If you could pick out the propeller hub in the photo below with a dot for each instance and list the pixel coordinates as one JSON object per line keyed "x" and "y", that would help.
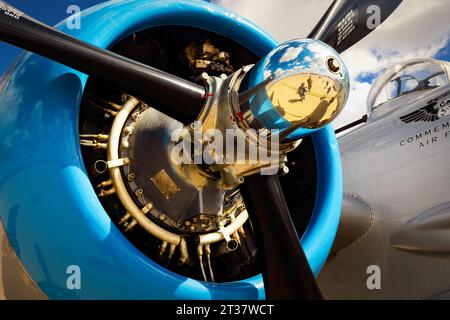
{"x": 300, "y": 86}
{"x": 333, "y": 65}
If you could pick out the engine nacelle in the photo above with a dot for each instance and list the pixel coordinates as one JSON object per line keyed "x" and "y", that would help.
{"x": 50, "y": 209}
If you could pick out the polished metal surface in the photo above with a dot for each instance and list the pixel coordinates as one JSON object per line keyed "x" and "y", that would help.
{"x": 400, "y": 170}
{"x": 254, "y": 150}
{"x": 356, "y": 219}
{"x": 426, "y": 233}
{"x": 302, "y": 85}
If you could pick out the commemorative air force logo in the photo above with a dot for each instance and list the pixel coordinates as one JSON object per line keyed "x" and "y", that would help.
{"x": 430, "y": 113}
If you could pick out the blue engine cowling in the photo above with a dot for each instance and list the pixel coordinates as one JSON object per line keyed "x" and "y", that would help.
{"x": 48, "y": 207}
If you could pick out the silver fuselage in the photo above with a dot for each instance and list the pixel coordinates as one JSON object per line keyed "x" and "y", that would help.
{"x": 396, "y": 212}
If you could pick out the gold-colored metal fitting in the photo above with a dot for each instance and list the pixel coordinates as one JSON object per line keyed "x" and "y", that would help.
{"x": 184, "y": 255}
{"x": 130, "y": 104}
{"x": 105, "y": 193}
{"x": 105, "y": 184}
{"x": 131, "y": 225}
{"x": 100, "y": 137}
{"x": 124, "y": 219}
{"x": 148, "y": 207}
{"x": 139, "y": 192}
{"x": 96, "y": 103}
{"x": 163, "y": 248}
{"x": 172, "y": 250}
{"x": 93, "y": 144}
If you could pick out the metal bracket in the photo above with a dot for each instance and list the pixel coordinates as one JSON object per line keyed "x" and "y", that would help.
{"x": 118, "y": 163}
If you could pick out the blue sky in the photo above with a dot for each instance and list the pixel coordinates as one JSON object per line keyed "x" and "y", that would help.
{"x": 444, "y": 53}
{"x": 48, "y": 11}
{"x": 416, "y": 29}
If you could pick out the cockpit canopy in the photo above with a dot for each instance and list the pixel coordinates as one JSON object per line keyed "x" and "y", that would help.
{"x": 405, "y": 78}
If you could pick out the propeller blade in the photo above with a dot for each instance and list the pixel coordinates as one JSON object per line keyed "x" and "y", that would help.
{"x": 286, "y": 271}
{"x": 174, "y": 96}
{"x": 348, "y": 21}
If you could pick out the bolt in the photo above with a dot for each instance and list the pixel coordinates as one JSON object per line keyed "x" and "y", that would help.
{"x": 333, "y": 64}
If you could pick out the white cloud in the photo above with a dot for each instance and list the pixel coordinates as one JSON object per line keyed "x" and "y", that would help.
{"x": 291, "y": 54}
{"x": 416, "y": 29}
{"x": 278, "y": 72}
{"x": 283, "y": 19}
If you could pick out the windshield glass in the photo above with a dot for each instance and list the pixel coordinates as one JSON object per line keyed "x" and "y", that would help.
{"x": 405, "y": 78}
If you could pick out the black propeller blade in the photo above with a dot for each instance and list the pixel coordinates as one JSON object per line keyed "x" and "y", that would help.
{"x": 348, "y": 21}
{"x": 286, "y": 271}
{"x": 178, "y": 98}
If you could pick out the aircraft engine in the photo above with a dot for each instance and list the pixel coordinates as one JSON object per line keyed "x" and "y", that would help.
{"x": 87, "y": 176}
